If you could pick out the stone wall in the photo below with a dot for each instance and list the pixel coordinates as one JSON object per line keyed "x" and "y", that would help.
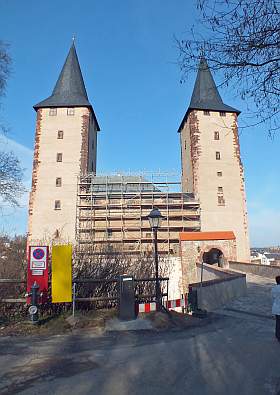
{"x": 192, "y": 252}
{"x": 45, "y": 222}
{"x": 200, "y": 174}
{"x": 259, "y": 270}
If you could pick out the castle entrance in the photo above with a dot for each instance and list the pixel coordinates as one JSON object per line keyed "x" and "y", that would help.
{"x": 213, "y": 257}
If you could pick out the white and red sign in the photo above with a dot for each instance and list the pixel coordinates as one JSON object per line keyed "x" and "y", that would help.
{"x": 37, "y": 270}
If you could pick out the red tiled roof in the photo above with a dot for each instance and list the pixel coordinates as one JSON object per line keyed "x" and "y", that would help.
{"x": 189, "y": 236}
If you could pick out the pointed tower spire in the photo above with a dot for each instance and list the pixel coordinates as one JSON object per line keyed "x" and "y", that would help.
{"x": 69, "y": 90}
{"x": 205, "y": 94}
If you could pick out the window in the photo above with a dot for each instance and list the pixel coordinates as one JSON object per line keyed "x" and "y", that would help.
{"x": 109, "y": 232}
{"x": 206, "y": 112}
{"x": 60, "y": 134}
{"x": 148, "y": 234}
{"x": 53, "y": 111}
{"x": 220, "y": 190}
{"x": 59, "y": 157}
{"x": 222, "y": 114}
{"x": 58, "y": 182}
{"x": 219, "y": 173}
{"x": 218, "y": 155}
{"x": 185, "y": 144}
{"x": 57, "y": 205}
{"x": 70, "y": 111}
{"x": 216, "y": 136}
{"x": 221, "y": 201}
{"x": 92, "y": 145}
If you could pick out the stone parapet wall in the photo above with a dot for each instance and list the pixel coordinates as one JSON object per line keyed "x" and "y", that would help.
{"x": 259, "y": 270}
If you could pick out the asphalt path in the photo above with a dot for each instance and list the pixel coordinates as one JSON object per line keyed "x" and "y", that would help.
{"x": 236, "y": 353}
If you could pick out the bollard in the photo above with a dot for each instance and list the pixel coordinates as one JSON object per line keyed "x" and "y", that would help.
{"x": 33, "y": 309}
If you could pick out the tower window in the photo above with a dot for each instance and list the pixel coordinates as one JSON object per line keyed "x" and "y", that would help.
{"x": 185, "y": 144}
{"x": 218, "y": 155}
{"x": 220, "y": 190}
{"x": 60, "y": 134}
{"x": 57, "y": 205}
{"x": 53, "y": 111}
{"x": 70, "y": 111}
{"x": 58, "y": 182}
{"x": 221, "y": 201}
{"x": 59, "y": 157}
{"x": 219, "y": 173}
{"x": 206, "y": 112}
{"x": 222, "y": 114}
{"x": 216, "y": 136}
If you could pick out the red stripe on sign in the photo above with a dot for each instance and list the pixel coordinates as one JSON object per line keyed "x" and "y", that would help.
{"x": 147, "y": 307}
{"x": 169, "y": 304}
{"x": 178, "y": 302}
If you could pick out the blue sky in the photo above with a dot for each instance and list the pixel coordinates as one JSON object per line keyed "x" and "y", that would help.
{"x": 128, "y": 58}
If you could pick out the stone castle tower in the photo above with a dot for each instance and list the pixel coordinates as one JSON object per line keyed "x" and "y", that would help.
{"x": 65, "y": 146}
{"x": 211, "y": 163}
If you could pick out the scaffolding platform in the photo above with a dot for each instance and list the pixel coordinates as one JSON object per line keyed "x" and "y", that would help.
{"x": 113, "y": 209}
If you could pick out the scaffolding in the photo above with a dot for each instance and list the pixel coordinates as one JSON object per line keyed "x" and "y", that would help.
{"x": 113, "y": 209}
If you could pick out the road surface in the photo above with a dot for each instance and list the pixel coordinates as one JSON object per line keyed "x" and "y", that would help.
{"x": 235, "y": 354}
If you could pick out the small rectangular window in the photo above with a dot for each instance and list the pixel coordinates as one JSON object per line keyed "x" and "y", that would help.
{"x": 58, "y": 181}
{"x": 57, "y": 205}
{"x": 216, "y": 136}
{"x": 59, "y": 157}
{"x": 70, "y": 111}
{"x": 109, "y": 232}
{"x": 219, "y": 173}
{"x": 53, "y": 111}
{"x": 221, "y": 201}
{"x": 60, "y": 134}
{"x": 206, "y": 112}
{"x": 185, "y": 144}
{"x": 222, "y": 114}
{"x": 218, "y": 155}
{"x": 220, "y": 190}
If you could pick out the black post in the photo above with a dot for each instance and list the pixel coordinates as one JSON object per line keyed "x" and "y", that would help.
{"x": 33, "y": 309}
{"x": 158, "y": 293}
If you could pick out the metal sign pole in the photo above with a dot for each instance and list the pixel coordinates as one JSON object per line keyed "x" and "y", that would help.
{"x": 74, "y": 299}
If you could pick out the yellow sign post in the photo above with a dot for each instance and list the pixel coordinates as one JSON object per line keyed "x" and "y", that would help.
{"x": 62, "y": 273}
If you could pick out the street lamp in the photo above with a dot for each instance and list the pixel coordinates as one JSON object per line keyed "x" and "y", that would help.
{"x": 155, "y": 219}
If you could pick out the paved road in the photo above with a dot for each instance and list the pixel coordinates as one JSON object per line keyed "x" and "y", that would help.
{"x": 235, "y": 354}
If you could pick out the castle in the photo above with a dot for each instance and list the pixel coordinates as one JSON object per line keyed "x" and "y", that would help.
{"x": 69, "y": 202}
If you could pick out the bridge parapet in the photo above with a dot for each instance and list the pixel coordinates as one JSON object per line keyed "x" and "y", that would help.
{"x": 257, "y": 269}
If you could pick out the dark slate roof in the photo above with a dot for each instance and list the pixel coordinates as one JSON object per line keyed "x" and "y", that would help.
{"x": 205, "y": 93}
{"x": 134, "y": 184}
{"x": 69, "y": 90}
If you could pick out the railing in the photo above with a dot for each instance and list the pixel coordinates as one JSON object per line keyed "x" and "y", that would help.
{"x": 97, "y": 290}
{"x": 15, "y": 286}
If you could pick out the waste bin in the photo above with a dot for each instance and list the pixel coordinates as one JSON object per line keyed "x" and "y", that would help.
{"x": 126, "y": 298}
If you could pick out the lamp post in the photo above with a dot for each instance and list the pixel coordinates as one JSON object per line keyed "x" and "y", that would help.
{"x": 155, "y": 218}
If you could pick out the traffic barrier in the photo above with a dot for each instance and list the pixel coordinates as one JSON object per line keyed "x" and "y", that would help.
{"x": 169, "y": 304}
{"x": 172, "y": 304}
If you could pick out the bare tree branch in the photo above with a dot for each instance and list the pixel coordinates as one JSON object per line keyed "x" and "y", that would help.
{"x": 242, "y": 39}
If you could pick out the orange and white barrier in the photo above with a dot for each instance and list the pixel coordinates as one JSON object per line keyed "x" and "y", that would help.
{"x": 170, "y": 304}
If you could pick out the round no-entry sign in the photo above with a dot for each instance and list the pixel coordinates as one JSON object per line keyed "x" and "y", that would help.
{"x": 39, "y": 253}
